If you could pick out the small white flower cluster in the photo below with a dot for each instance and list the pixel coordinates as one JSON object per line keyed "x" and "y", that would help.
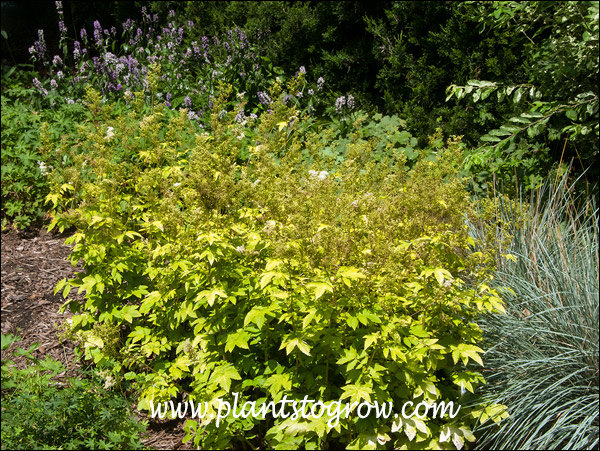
{"x": 110, "y": 133}
{"x": 109, "y": 380}
{"x": 269, "y": 227}
{"x": 320, "y": 175}
{"x": 111, "y": 58}
{"x": 43, "y": 167}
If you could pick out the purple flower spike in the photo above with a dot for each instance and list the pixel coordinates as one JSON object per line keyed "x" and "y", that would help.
{"x": 263, "y": 97}
{"x": 339, "y": 104}
{"x": 350, "y": 102}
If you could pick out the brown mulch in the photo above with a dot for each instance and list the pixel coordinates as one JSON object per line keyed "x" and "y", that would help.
{"x": 31, "y": 265}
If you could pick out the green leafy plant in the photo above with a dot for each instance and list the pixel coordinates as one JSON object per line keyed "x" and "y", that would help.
{"x": 30, "y": 139}
{"x": 23, "y": 172}
{"x": 40, "y": 413}
{"x": 284, "y": 272}
{"x": 554, "y": 110}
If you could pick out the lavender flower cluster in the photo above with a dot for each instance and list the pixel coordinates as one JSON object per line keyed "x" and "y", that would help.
{"x": 191, "y": 71}
{"x": 38, "y": 49}
{"x": 90, "y": 61}
{"x": 344, "y": 103}
{"x": 263, "y": 98}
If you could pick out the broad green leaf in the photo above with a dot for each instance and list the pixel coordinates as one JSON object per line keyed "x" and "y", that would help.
{"x": 292, "y": 343}
{"x": 320, "y": 288}
{"x": 356, "y": 393}
{"x": 239, "y": 339}
{"x": 490, "y": 138}
{"x": 223, "y": 375}
{"x": 256, "y": 316}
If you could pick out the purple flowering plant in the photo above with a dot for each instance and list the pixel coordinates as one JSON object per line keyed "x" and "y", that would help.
{"x": 117, "y": 62}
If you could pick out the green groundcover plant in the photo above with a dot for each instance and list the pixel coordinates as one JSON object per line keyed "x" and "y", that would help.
{"x": 28, "y": 157}
{"x": 275, "y": 258}
{"x": 543, "y": 354}
{"x": 40, "y": 413}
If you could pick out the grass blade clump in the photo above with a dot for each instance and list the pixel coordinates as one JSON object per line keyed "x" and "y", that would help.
{"x": 542, "y": 356}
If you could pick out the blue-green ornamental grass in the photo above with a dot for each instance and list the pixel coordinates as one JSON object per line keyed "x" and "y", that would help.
{"x": 542, "y": 357}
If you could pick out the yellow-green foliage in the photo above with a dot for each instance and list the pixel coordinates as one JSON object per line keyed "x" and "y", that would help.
{"x": 284, "y": 273}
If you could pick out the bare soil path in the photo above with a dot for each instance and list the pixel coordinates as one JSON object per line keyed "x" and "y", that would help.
{"x": 31, "y": 265}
